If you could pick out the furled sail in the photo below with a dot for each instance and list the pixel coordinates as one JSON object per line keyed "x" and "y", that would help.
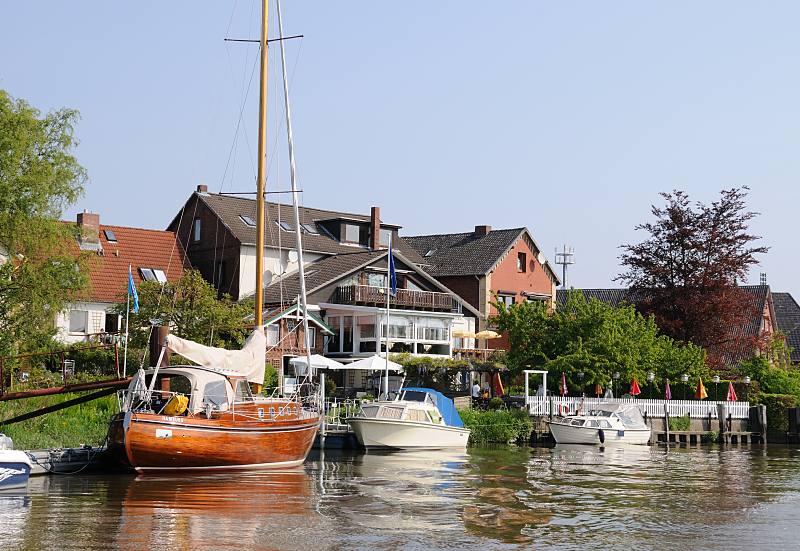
{"x": 249, "y": 361}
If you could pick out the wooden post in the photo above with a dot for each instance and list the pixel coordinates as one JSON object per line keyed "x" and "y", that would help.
{"x": 2, "y": 377}
{"x": 762, "y": 423}
{"x": 666, "y": 422}
{"x": 722, "y": 414}
{"x": 63, "y": 369}
{"x": 551, "y": 408}
{"x": 157, "y": 337}
{"x": 116, "y": 358}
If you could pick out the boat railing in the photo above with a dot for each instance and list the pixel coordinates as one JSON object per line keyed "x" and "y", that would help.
{"x": 337, "y": 410}
{"x": 541, "y": 405}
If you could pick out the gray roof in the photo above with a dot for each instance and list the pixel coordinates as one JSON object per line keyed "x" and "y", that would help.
{"x": 614, "y": 297}
{"x": 230, "y": 209}
{"x": 787, "y": 318}
{"x": 465, "y": 254}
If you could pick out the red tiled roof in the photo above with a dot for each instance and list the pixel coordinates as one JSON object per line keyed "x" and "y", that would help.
{"x": 140, "y": 248}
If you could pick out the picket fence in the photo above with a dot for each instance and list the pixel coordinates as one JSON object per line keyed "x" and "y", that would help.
{"x": 540, "y": 405}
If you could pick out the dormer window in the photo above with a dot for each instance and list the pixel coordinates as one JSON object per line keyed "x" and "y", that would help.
{"x": 386, "y": 237}
{"x": 351, "y": 233}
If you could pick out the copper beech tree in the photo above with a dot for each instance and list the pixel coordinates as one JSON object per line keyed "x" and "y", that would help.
{"x": 685, "y": 272}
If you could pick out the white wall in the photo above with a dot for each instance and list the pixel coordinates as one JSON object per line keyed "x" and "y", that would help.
{"x": 96, "y": 321}
{"x": 275, "y": 262}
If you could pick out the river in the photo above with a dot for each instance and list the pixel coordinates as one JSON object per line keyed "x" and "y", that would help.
{"x": 488, "y": 498}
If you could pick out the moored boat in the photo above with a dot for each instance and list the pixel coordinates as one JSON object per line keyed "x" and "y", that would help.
{"x": 15, "y": 465}
{"x": 420, "y": 418}
{"x": 603, "y": 424}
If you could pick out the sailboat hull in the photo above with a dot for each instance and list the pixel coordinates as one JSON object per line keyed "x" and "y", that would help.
{"x": 152, "y": 442}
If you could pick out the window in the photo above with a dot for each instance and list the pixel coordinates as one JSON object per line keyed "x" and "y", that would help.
{"x": 112, "y": 324}
{"x": 351, "y": 233}
{"x": 273, "y": 334}
{"x": 347, "y": 334}
{"x": 430, "y": 253}
{"x": 78, "y": 320}
{"x": 312, "y": 336}
{"x": 433, "y": 330}
{"x": 147, "y": 274}
{"x": 310, "y": 228}
{"x": 508, "y": 300}
{"x": 196, "y": 229}
{"x": 285, "y": 226}
{"x": 248, "y": 220}
{"x": 334, "y": 343}
{"x": 521, "y": 262}
{"x": 410, "y": 285}
{"x": 161, "y": 277}
{"x": 385, "y": 237}
{"x": 376, "y": 280}
{"x": 367, "y": 341}
{"x": 110, "y": 237}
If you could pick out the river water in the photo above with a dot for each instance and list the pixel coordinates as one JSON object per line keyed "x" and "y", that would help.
{"x": 489, "y": 498}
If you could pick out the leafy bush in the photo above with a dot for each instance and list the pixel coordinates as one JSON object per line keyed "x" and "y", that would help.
{"x": 496, "y": 403}
{"x": 680, "y": 423}
{"x": 777, "y": 414}
{"x": 497, "y": 426}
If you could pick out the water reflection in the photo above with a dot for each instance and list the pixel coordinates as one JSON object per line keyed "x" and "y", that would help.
{"x": 565, "y": 497}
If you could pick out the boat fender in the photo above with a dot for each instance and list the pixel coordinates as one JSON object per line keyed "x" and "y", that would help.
{"x": 602, "y": 435}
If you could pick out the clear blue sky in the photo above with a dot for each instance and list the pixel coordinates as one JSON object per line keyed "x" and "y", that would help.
{"x": 565, "y": 117}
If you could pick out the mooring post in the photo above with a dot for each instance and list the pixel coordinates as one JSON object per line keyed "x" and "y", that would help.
{"x": 762, "y": 423}
{"x": 324, "y": 416}
{"x": 666, "y": 422}
{"x": 551, "y": 407}
{"x": 722, "y": 414}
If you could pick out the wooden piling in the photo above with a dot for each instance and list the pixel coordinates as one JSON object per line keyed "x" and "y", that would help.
{"x": 666, "y": 421}
{"x": 722, "y": 415}
{"x": 762, "y": 422}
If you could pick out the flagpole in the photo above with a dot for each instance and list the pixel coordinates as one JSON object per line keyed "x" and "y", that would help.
{"x": 388, "y": 296}
{"x": 127, "y": 315}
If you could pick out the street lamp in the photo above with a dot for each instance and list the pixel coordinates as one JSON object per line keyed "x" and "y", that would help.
{"x": 615, "y": 376}
{"x": 715, "y": 380}
{"x": 746, "y": 381}
{"x": 685, "y": 380}
{"x": 650, "y": 378}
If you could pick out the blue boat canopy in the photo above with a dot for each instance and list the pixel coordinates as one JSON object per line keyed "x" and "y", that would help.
{"x": 444, "y": 404}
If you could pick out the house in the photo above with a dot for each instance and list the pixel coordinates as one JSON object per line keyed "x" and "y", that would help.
{"x": 349, "y": 292}
{"x": 153, "y": 255}
{"x": 219, "y": 232}
{"x": 787, "y": 318}
{"x": 487, "y": 265}
{"x": 762, "y": 321}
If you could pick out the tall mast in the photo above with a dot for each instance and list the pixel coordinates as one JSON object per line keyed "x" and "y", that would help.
{"x": 262, "y": 162}
{"x": 293, "y": 175}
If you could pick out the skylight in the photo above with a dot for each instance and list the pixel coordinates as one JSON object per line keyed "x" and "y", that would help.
{"x": 430, "y": 253}
{"x": 247, "y": 220}
{"x": 161, "y": 277}
{"x": 310, "y": 228}
{"x": 147, "y": 274}
{"x": 285, "y": 226}
{"x": 110, "y": 237}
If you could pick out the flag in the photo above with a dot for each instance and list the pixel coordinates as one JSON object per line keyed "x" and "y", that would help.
{"x": 132, "y": 291}
{"x": 667, "y": 391}
{"x": 701, "y": 393}
{"x": 731, "y": 393}
{"x": 392, "y": 274}
{"x": 635, "y": 391}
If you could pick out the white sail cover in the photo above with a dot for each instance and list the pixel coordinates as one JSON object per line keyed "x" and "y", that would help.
{"x": 249, "y": 361}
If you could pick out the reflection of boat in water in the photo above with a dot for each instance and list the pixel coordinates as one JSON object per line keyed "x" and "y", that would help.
{"x": 603, "y": 424}
{"x": 420, "y": 418}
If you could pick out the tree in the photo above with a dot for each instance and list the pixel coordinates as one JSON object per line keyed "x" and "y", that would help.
{"x": 595, "y": 339}
{"x": 39, "y": 178}
{"x": 685, "y": 272}
{"x": 191, "y": 309}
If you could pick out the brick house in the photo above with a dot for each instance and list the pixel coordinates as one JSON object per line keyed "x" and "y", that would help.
{"x": 154, "y": 255}
{"x": 487, "y": 265}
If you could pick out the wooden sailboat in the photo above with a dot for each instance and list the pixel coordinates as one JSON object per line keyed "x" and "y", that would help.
{"x": 204, "y": 416}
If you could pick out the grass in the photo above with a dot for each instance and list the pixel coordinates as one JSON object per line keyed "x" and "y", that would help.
{"x": 72, "y": 427}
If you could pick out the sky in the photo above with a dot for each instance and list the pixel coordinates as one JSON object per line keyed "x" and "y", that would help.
{"x": 568, "y": 118}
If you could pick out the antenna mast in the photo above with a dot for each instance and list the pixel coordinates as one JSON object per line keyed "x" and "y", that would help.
{"x": 565, "y": 257}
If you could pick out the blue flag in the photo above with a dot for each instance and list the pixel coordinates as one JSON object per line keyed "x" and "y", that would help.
{"x": 132, "y": 291}
{"x": 392, "y": 274}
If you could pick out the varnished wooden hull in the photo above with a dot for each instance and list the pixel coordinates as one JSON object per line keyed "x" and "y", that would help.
{"x": 151, "y": 442}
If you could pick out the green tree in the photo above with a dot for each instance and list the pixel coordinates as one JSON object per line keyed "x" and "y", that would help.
{"x": 191, "y": 309}
{"x": 40, "y": 268}
{"x": 595, "y": 339}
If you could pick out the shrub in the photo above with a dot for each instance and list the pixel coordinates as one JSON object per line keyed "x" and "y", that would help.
{"x": 496, "y": 403}
{"x": 777, "y": 411}
{"x": 497, "y": 426}
{"x": 681, "y": 423}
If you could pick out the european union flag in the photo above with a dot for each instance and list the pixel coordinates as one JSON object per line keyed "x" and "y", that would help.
{"x": 392, "y": 274}
{"x": 132, "y": 291}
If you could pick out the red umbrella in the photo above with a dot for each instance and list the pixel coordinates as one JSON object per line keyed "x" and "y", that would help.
{"x": 635, "y": 391}
{"x": 667, "y": 391}
{"x": 563, "y": 384}
{"x": 497, "y": 385}
{"x": 731, "y": 393}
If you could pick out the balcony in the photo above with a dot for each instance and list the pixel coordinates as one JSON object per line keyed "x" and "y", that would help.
{"x": 405, "y": 298}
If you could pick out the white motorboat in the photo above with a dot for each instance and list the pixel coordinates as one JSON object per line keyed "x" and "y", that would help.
{"x": 420, "y": 418}
{"x": 15, "y": 465}
{"x": 603, "y": 424}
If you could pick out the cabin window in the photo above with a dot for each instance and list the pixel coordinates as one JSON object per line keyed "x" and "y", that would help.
{"x": 243, "y": 393}
{"x": 370, "y": 411}
{"x": 418, "y": 415}
{"x": 391, "y": 412}
{"x": 521, "y": 262}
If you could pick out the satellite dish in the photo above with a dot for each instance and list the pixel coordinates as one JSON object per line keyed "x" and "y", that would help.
{"x": 540, "y": 258}
{"x": 268, "y": 275}
{"x": 292, "y": 256}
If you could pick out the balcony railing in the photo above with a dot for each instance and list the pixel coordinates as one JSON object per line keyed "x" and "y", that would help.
{"x": 405, "y": 298}
{"x": 475, "y": 354}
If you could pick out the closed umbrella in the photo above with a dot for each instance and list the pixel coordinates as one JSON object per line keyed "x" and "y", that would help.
{"x": 563, "y": 384}
{"x": 701, "y": 393}
{"x": 731, "y": 393}
{"x": 497, "y": 385}
{"x": 598, "y": 390}
{"x": 635, "y": 391}
{"x": 667, "y": 391}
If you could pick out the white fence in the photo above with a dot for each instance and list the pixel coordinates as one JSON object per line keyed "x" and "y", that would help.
{"x": 540, "y": 405}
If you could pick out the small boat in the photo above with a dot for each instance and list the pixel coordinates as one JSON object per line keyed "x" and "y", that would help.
{"x": 420, "y": 418}
{"x": 15, "y": 465}
{"x": 603, "y": 424}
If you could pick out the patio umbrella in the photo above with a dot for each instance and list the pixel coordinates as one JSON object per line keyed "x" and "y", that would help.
{"x": 317, "y": 362}
{"x": 701, "y": 393}
{"x": 667, "y": 391}
{"x": 463, "y": 334}
{"x": 598, "y": 390}
{"x": 731, "y": 393}
{"x": 635, "y": 391}
{"x": 486, "y": 334}
{"x": 497, "y": 385}
{"x": 563, "y": 384}
{"x": 373, "y": 363}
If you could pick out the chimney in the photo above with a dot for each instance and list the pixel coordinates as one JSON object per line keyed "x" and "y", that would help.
{"x": 202, "y": 188}
{"x": 482, "y": 231}
{"x": 89, "y": 225}
{"x": 375, "y": 228}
